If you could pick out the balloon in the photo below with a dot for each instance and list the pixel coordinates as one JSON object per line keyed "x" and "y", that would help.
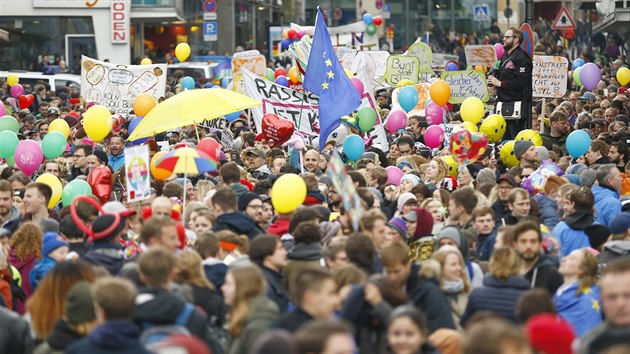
{"x": 55, "y": 184}
{"x": 285, "y": 33}
{"x": 288, "y": 193}
{"x": 17, "y": 90}
{"x": 623, "y": 76}
{"x": 578, "y": 143}
{"x": 578, "y": 63}
{"x": 292, "y": 34}
{"x": 349, "y": 73}
{"x": 276, "y": 130}
{"x": 367, "y": 118}
{"x": 54, "y": 144}
{"x": 370, "y": 29}
{"x": 146, "y": 61}
{"x": 132, "y": 126}
{"x": 507, "y": 154}
{"x": 75, "y": 188}
{"x": 450, "y": 66}
{"x": 285, "y": 43}
{"x": 404, "y": 82}
{"x": 377, "y": 20}
{"x": 408, "y": 98}
{"x": 358, "y": 84}
{"x": 25, "y": 101}
{"x": 188, "y": 83}
{"x": 394, "y": 175}
{"x": 59, "y": 125}
{"x": 158, "y": 173}
{"x": 494, "y": 127}
{"x": 467, "y": 147}
{"x": 590, "y": 75}
{"x": 232, "y": 116}
{"x": 301, "y": 34}
{"x": 434, "y": 113}
{"x": 434, "y": 136}
{"x": 12, "y": 79}
{"x": 353, "y": 147}
{"x": 576, "y": 76}
{"x": 472, "y": 110}
{"x": 100, "y": 179}
{"x": 211, "y": 147}
{"x": 10, "y": 161}
{"x": 282, "y": 80}
{"x": 3, "y": 110}
{"x": 279, "y": 72}
{"x": 9, "y": 123}
{"x": 396, "y": 120}
{"x": 440, "y": 92}
{"x": 182, "y": 51}
{"x": 469, "y": 126}
{"x": 225, "y": 82}
{"x": 530, "y": 135}
{"x": 481, "y": 68}
{"x": 28, "y": 156}
{"x": 498, "y": 47}
{"x": 368, "y": 19}
{"x": 452, "y": 165}
{"x": 97, "y": 122}
{"x": 294, "y": 74}
{"x": 9, "y": 143}
{"x": 145, "y": 102}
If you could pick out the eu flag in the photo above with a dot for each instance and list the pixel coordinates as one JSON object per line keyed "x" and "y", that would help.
{"x": 326, "y": 78}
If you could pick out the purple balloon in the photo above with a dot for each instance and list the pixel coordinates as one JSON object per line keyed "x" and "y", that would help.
{"x": 17, "y": 90}
{"x": 590, "y": 76}
{"x": 394, "y": 174}
{"x": 396, "y": 120}
{"x": 357, "y": 85}
{"x": 282, "y": 80}
{"x": 451, "y": 66}
{"x": 434, "y": 113}
{"x": 28, "y": 156}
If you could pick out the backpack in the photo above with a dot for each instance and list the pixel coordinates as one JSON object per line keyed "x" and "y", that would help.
{"x": 153, "y": 335}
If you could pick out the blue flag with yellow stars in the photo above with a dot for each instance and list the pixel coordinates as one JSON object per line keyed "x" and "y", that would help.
{"x": 326, "y": 78}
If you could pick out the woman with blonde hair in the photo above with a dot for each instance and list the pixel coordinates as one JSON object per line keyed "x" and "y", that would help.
{"x": 232, "y": 247}
{"x": 454, "y": 280}
{"x": 26, "y": 250}
{"x": 251, "y": 312}
{"x": 438, "y": 211}
{"x": 436, "y": 171}
{"x": 406, "y": 164}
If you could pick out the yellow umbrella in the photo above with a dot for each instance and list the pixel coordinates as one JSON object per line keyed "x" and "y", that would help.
{"x": 191, "y": 107}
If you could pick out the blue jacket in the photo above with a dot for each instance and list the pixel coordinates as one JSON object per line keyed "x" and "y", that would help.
{"x": 485, "y": 245}
{"x": 238, "y": 222}
{"x": 548, "y": 210}
{"x": 570, "y": 233}
{"x": 118, "y": 336}
{"x": 583, "y": 312}
{"x": 607, "y": 204}
{"x": 42, "y": 267}
{"x": 116, "y": 162}
{"x": 496, "y": 296}
{"x": 426, "y": 295}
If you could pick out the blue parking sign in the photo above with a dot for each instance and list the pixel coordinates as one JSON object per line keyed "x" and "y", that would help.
{"x": 210, "y": 27}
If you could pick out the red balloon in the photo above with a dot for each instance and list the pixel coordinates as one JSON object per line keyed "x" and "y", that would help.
{"x": 101, "y": 181}
{"x": 211, "y": 147}
{"x": 292, "y": 34}
{"x": 280, "y": 72}
{"x": 26, "y": 101}
{"x": 377, "y": 21}
{"x": 276, "y": 130}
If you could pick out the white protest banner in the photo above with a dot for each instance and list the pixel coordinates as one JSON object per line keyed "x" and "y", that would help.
{"x": 480, "y": 55}
{"x": 440, "y": 60}
{"x": 372, "y": 61}
{"x": 400, "y": 67}
{"x": 137, "y": 173}
{"x": 352, "y": 35}
{"x": 549, "y": 76}
{"x": 464, "y": 84}
{"x": 116, "y": 86}
{"x": 367, "y": 100}
{"x": 422, "y": 51}
{"x": 251, "y": 60}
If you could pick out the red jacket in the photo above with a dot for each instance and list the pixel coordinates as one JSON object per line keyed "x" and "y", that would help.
{"x": 5, "y": 287}
{"x": 280, "y": 227}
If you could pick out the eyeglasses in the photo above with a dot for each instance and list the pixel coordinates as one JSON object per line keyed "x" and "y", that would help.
{"x": 255, "y": 207}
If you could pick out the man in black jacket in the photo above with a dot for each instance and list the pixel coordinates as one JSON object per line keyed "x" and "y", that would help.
{"x": 513, "y": 80}
{"x": 270, "y": 255}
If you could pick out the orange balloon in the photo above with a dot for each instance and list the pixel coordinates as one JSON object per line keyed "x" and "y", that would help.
{"x": 294, "y": 75}
{"x": 285, "y": 33}
{"x": 440, "y": 92}
{"x": 143, "y": 104}
{"x": 481, "y": 68}
{"x": 159, "y": 173}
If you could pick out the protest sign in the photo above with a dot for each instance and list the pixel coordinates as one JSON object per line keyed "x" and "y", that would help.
{"x": 549, "y": 76}
{"x": 251, "y": 60}
{"x": 374, "y": 63}
{"x": 422, "y": 51}
{"x": 137, "y": 173}
{"x": 351, "y": 35}
{"x": 423, "y": 97}
{"x": 116, "y": 86}
{"x": 464, "y": 84}
{"x": 400, "y": 67}
{"x": 480, "y": 55}
{"x": 440, "y": 60}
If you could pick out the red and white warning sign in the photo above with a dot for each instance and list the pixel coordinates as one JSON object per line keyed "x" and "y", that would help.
{"x": 563, "y": 21}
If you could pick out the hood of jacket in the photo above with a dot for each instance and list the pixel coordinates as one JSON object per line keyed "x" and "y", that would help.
{"x": 263, "y": 309}
{"x": 620, "y": 247}
{"x": 237, "y": 222}
{"x": 115, "y": 334}
{"x": 307, "y": 252}
{"x": 107, "y": 255}
{"x": 23, "y": 264}
{"x": 15, "y": 215}
{"x": 600, "y": 193}
{"x": 239, "y": 189}
{"x": 62, "y": 336}
{"x": 424, "y": 223}
{"x": 513, "y": 281}
{"x": 157, "y": 306}
{"x": 580, "y": 220}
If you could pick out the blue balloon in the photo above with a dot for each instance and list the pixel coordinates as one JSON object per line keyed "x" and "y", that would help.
{"x": 225, "y": 82}
{"x": 578, "y": 63}
{"x": 216, "y": 86}
{"x": 451, "y": 66}
{"x": 408, "y": 98}
{"x": 578, "y": 143}
{"x": 132, "y": 126}
{"x": 286, "y": 42}
{"x": 354, "y": 147}
{"x": 282, "y": 80}
{"x": 208, "y": 85}
{"x": 368, "y": 19}
{"x": 188, "y": 83}
{"x": 233, "y": 116}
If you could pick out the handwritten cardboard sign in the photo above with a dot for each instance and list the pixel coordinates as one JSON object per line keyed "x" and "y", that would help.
{"x": 422, "y": 51}
{"x": 464, "y": 84}
{"x": 440, "y": 60}
{"x": 400, "y": 67}
{"x": 423, "y": 97}
{"x": 253, "y": 61}
{"x": 480, "y": 55}
{"x": 549, "y": 76}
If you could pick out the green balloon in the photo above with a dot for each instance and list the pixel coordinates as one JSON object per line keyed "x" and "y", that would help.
{"x": 10, "y": 161}
{"x": 53, "y": 144}
{"x": 367, "y": 118}
{"x": 370, "y": 29}
{"x": 9, "y": 141}
{"x": 271, "y": 75}
{"x": 74, "y": 189}
{"x": 576, "y": 76}
{"x": 9, "y": 123}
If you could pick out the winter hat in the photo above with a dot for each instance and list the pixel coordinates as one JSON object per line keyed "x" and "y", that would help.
{"x": 520, "y": 147}
{"x": 411, "y": 178}
{"x": 473, "y": 170}
{"x": 486, "y": 176}
{"x": 424, "y": 222}
{"x": 79, "y": 306}
{"x": 52, "y": 241}
{"x": 106, "y": 227}
{"x": 451, "y": 233}
{"x": 399, "y": 225}
{"x": 553, "y": 183}
{"x": 620, "y": 224}
{"x": 376, "y": 193}
{"x": 597, "y": 234}
{"x": 405, "y": 198}
{"x": 101, "y": 155}
{"x": 543, "y": 153}
{"x": 118, "y": 208}
{"x": 245, "y": 199}
{"x": 49, "y": 225}
{"x": 550, "y": 334}
{"x": 448, "y": 183}
{"x": 574, "y": 179}
{"x": 587, "y": 178}
{"x": 69, "y": 228}
{"x": 576, "y": 169}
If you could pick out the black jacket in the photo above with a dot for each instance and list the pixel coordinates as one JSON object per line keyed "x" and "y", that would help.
{"x": 61, "y": 337}
{"x": 427, "y": 296}
{"x": 515, "y": 74}
{"x": 544, "y": 275}
{"x": 107, "y": 255}
{"x": 495, "y": 296}
{"x": 275, "y": 290}
{"x": 292, "y": 321}
{"x": 369, "y": 322}
{"x": 499, "y": 210}
{"x": 118, "y": 336}
{"x": 15, "y": 335}
{"x": 237, "y": 222}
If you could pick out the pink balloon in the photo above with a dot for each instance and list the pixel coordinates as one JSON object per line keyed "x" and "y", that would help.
{"x": 435, "y": 113}
{"x": 301, "y": 34}
{"x": 28, "y": 156}
{"x": 3, "y": 110}
{"x": 17, "y": 90}
{"x": 498, "y": 47}
{"x": 357, "y": 85}
{"x": 394, "y": 174}
{"x": 396, "y": 120}
{"x": 434, "y": 136}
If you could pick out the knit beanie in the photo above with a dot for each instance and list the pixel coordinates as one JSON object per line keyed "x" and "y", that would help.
{"x": 52, "y": 241}
{"x": 520, "y": 147}
{"x": 543, "y": 153}
{"x": 399, "y": 225}
{"x": 424, "y": 223}
{"x": 245, "y": 199}
{"x": 451, "y": 233}
{"x": 550, "y": 334}
{"x": 404, "y": 198}
{"x": 411, "y": 178}
{"x": 79, "y": 306}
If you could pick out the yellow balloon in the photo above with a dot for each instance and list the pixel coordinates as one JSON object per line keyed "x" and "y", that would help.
{"x": 97, "y": 122}
{"x": 472, "y": 110}
{"x": 494, "y": 127}
{"x": 452, "y": 165}
{"x": 404, "y": 82}
{"x": 470, "y": 127}
{"x": 146, "y": 61}
{"x": 531, "y": 135}
{"x": 55, "y": 184}
{"x": 348, "y": 72}
{"x": 507, "y": 154}
{"x": 12, "y": 79}
{"x": 182, "y": 51}
{"x": 288, "y": 193}
{"x": 59, "y": 125}
{"x": 623, "y": 76}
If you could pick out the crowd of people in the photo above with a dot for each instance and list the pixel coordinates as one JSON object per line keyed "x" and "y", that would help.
{"x": 453, "y": 259}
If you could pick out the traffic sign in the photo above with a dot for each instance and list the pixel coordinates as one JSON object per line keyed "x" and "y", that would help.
{"x": 210, "y": 30}
{"x": 481, "y": 13}
{"x": 563, "y": 21}
{"x": 210, "y": 5}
